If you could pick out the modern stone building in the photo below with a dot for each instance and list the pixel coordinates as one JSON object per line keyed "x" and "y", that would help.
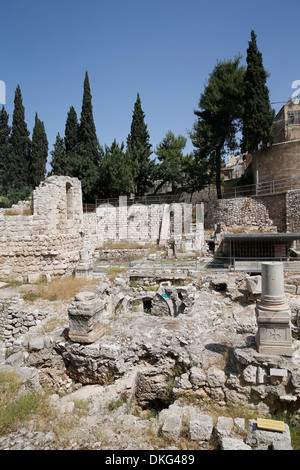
{"x": 286, "y": 126}
{"x": 277, "y": 168}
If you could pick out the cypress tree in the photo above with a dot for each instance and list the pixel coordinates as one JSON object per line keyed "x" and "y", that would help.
{"x": 258, "y": 115}
{"x": 139, "y": 149}
{"x": 5, "y": 154}
{"x": 87, "y": 129}
{"x": 88, "y": 161}
{"x": 21, "y": 146}
{"x": 39, "y": 153}
{"x": 58, "y": 162}
{"x": 71, "y": 132}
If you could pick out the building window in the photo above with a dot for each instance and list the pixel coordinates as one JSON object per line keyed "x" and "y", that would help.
{"x": 294, "y": 117}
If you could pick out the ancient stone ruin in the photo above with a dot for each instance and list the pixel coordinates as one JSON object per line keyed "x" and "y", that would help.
{"x": 273, "y": 313}
{"x": 159, "y": 352}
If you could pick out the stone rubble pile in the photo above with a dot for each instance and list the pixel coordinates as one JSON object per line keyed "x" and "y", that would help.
{"x": 205, "y": 354}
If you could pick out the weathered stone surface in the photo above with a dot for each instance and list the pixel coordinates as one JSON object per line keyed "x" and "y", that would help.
{"x": 253, "y": 284}
{"x": 197, "y": 377}
{"x": 229, "y": 443}
{"x": 36, "y": 344}
{"x": 223, "y": 427}
{"x": 215, "y": 377}
{"x": 273, "y": 313}
{"x": 266, "y": 439}
{"x": 200, "y": 427}
{"x": 85, "y": 318}
{"x": 172, "y": 426}
{"x": 250, "y": 374}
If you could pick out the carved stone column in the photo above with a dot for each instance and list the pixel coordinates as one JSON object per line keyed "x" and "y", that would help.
{"x": 84, "y": 269}
{"x": 273, "y": 313}
{"x": 85, "y": 318}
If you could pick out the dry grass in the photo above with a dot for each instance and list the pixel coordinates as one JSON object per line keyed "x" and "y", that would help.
{"x": 31, "y": 409}
{"x": 123, "y": 245}
{"x": 63, "y": 288}
{"x": 113, "y": 272}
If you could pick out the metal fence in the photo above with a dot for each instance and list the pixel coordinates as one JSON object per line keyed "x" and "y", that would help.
{"x": 258, "y": 189}
{"x": 192, "y": 263}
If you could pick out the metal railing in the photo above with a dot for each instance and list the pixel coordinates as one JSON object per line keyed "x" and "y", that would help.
{"x": 192, "y": 263}
{"x": 258, "y": 189}
{"x": 263, "y": 189}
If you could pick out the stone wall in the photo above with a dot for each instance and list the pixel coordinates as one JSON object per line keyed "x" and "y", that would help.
{"x": 249, "y": 213}
{"x": 279, "y": 161}
{"x": 293, "y": 211}
{"x": 157, "y": 224}
{"x": 48, "y": 241}
{"x": 16, "y": 320}
{"x": 45, "y": 236}
{"x": 274, "y": 212}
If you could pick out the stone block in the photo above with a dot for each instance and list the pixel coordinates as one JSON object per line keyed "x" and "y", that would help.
{"x": 201, "y": 427}
{"x": 253, "y": 284}
{"x": 229, "y": 443}
{"x": 85, "y": 318}
{"x": 290, "y": 288}
{"x": 264, "y": 439}
{"x": 172, "y": 426}
{"x": 215, "y": 377}
{"x": 250, "y": 374}
{"x": 223, "y": 427}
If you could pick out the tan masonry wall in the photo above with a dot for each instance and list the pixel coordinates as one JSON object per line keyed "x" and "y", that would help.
{"x": 158, "y": 224}
{"x": 272, "y": 213}
{"x": 48, "y": 241}
{"x": 280, "y": 161}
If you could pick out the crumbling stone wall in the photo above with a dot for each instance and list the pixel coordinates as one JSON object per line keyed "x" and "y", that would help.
{"x": 247, "y": 212}
{"x": 293, "y": 211}
{"x": 46, "y": 242}
{"x": 155, "y": 224}
{"x": 271, "y": 213}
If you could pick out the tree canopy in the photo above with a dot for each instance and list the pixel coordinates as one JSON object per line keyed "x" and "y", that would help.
{"x": 139, "y": 149}
{"x": 234, "y": 104}
{"x": 258, "y": 115}
{"x": 39, "y": 154}
{"x": 219, "y": 118}
{"x": 171, "y": 161}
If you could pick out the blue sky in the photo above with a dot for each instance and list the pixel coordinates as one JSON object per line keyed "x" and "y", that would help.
{"x": 165, "y": 50}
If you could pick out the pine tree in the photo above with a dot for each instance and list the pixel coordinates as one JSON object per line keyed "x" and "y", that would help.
{"x": 39, "y": 153}
{"x": 219, "y": 119}
{"x": 258, "y": 115}
{"x": 58, "y": 162}
{"x": 18, "y": 171}
{"x": 5, "y": 151}
{"x": 115, "y": 172}
{"x": 139, "y": 149}
{"x": 171, "y": 161}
